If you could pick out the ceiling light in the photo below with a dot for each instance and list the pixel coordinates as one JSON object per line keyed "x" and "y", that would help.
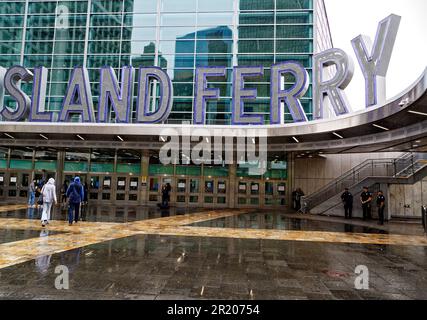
{"x": 253, "y": 140}
{"x": 418, "y": 113}
{"x": 44, "y": 137}
{"x": 418, "y": 141}
{"x": 163, "y": 139}
{"x": 380, "y": 127}
{"x": 9, "y": 136}
{"x": 295, "y": 139}
{"x": 338, "y": 135}
{"x": 80, "y": 137}
{"x": 120, "y": 138}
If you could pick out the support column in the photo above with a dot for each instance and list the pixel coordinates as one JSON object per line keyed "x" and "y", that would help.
{"x": 145, "y": 163}
{"x": 291, "y": 179}
{"x": 60, "y": 162}
{"x": 232, "y": 185}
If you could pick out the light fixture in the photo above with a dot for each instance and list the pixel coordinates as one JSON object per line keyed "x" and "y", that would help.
{"x": 207, "y": 140}
{"x": 9, "y": 136}
{"x": 44, "y": 137}
{"x": 163, "y": 139}
{"x": 80, "y": 137}
{"x": 253, "y": 140}
{"x": 295, "y": 139}
{"x": 415, "y": 146}
{"x": 380, "y": 127}
{"x": 120, "y": 138}
{"x": 338, "y": 135}
{"x": 418, "y": 141}
{"x": 418, "y": 113}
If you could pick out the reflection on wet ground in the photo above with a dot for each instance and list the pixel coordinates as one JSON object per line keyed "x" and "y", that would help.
{"x": 278, "y": 221}
{"x": 213, "y": 255}
{"x": 166, "y": 267}
{"x": 7, "y": 236}
{"x": 102, "y": 213}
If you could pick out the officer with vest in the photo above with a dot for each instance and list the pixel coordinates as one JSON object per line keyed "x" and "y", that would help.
{"x": 366, "y": 200}
{"x": 347, "y": 199}
{"x": 381, "y": 207}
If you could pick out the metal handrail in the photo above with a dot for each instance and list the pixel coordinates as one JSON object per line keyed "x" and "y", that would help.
{"x": 369, "y": 168}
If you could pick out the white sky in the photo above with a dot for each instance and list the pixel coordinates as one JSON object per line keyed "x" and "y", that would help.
{"x": 348, "y": 19}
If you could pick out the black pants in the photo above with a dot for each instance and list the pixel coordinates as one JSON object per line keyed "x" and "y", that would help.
{"x": 348, "y": 211}
{"x": 381, "y": 215}
{"x": 366, "y": 211}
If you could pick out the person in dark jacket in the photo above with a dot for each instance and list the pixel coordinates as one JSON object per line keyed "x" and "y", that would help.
{"x": 347, "y": 199}
{"x": 75, "y": 194}
{"x": 381, "y": 206}
{"x": 366, "y": 200}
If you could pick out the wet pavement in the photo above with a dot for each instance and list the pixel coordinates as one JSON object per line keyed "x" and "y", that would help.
{"x": 281, "y": 221}
{"x": 165, "y": 265}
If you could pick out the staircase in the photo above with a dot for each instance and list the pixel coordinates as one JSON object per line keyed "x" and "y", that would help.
{"x": 408, "y": 169}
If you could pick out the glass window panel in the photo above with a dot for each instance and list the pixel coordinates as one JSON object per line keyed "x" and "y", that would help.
{"x": 215, "y": 19}
{"x": 294, "y": 46}
{"x": 214, "y": 60}
{"x": 256, "y": 46}
{"x": 261, "y": 18}
{"x": 140, "y": 6}
{"x": 10, "y": 47}
{"x": 218, "y": 5}
{"x": 291, "y": 32}
{"x": 106, "y": 6}
{"x": 12, "y": 7}
{"x": 294, "y": 17}
{"x": 257, "y": 5}
{"x": 183, "y": 6}
{"x": 140, "y": 20}
{"x": 184, "y": 19}
{"x": 10, "y": 34}
{"x": 256, "y": 32}
{"x": 168, "y": 33}
{"x": 214, "y": 46}
{"x": 15, "y": 21}
{"x": 294, "y": 4}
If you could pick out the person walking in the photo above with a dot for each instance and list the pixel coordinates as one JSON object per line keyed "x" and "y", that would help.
{"x": 64, "y": 193}
{"x": 75, "y": 193}
{"x": 32, "y": 191}
{"x": 381, "y": 206}
{"x": 347, "y": 199}
{"x": 49, "y": 197}
{"x": 299, "y": 195}
{"x": 366, "y": 200}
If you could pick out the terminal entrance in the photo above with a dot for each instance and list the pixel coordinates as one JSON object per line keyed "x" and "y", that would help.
{"x": 136, "y": 177}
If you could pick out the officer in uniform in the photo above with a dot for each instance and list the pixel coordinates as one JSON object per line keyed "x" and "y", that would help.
{"x": 366, "y": 200}
{"x": 347, "y": 199}
{"x": 381, "y": 207}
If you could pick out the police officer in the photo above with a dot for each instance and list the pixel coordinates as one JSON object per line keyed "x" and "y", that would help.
{"x": 347, "y": 199}
{"x": 366, "y": 200}
{"x": 381, "y": 207}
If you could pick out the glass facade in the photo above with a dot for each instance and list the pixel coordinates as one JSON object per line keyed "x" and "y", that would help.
{"x": 175, "y": 35}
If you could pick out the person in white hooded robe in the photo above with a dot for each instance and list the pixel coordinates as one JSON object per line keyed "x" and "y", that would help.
{"x": 49, "y": 197}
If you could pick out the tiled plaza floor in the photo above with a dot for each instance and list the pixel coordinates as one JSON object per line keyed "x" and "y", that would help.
{"x": 140, "y": 253}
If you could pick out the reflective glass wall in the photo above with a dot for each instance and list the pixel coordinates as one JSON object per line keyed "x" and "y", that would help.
{"x": 175, "y": 35}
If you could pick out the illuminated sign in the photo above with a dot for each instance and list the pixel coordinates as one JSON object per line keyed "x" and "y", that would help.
{"x": 373, "y": 59}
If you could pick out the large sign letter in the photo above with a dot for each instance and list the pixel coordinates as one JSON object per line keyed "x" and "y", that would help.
{"x": 121, "y": 99}
{"x": 143, "y": 113}
{"x": 202, "y": 93}
{"x": 290, "y": 97}
{"x": 240, "y": 94}
{"x": 333, "y": 88}
{"x": 78, "y": 99}
{"x": 374, "y": 60}
{"x": 38, "y": 101}
{"x": 12, "y": 84}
